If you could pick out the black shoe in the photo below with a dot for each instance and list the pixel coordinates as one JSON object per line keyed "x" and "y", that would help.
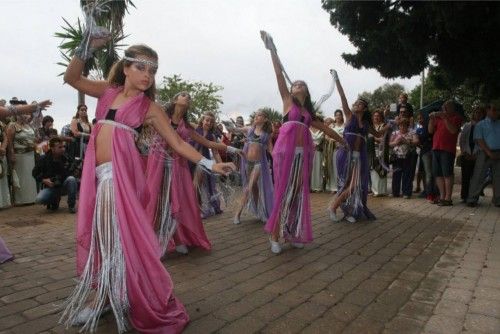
{"x": 445, "y": 202}
{"x": 472, "y": 204}
{"x": 72, "y": 209}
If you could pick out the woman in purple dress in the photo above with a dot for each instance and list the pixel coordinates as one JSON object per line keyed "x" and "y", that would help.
{"x": 352, "y": 162}
{"x": 292, "y": 161}
{"x": 255, "y": 171}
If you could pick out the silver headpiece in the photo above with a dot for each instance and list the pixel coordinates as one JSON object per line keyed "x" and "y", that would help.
{"x": 143, "y": 61}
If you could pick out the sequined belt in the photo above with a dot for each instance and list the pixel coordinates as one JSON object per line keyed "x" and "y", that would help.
{"x": 295, "y": 122}
{"x": 119, "y": 125}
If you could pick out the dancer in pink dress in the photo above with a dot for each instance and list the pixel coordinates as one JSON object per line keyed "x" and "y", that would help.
{"x": 292, "y": 161}
{"x": 118, "y": 254}
{"x": 182, "y": 216}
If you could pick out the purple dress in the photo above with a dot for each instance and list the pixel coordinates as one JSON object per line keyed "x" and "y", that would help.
{"x": 260, "y": 199}
{"x": 349, "y": 169}
{"x": 5, "y": 254}
{"x": 292, "y": 164}
{"x": 209, "y": 198}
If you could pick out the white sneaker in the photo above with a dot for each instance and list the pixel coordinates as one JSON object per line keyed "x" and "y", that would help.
{"x": 275, "y": 246}
{"x": 236, "y": 221}
{"x": 299, "y": 245}
{"x": 182, "y": 249}
{"x": 333, "y": 216}
{"x": 88, "y": 313}
{"x": 350, "y": 219}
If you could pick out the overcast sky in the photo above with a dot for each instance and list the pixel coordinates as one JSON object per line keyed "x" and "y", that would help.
{"x": 202, "y": 40}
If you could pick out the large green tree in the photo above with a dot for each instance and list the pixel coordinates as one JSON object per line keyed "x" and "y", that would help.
{"x": 401, "y": 38}
{"x": 383, "y": 95}
{"x": 204, "y": 96}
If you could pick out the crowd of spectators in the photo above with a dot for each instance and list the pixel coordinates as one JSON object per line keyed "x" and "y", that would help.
{"x": 421, "y": 148}
{"x": 38, "y": 165}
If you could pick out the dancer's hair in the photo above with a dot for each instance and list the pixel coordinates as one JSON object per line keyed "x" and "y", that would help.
{"x": 170, "y": 108}
{"x": 367, "y": 115}
{"x": 268, "y": 125}
{"x": 307, "y": 102}
{"x": 206, "y": 114}
{"x": 117, "y": 77}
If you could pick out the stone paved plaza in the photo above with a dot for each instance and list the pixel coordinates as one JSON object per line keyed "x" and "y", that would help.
{"x": 418, "y": 269}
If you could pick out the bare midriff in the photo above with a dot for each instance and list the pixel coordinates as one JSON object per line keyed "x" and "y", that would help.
{"x": 254, "y": 152}
{"x": 103, "y": 143}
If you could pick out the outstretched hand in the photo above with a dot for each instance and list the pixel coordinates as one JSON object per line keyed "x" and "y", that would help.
{"x": 45, "y": 104}
{"x": 268, "y": 40}
{"x": 224, "y": 168}
{"x": 334, "y": 74}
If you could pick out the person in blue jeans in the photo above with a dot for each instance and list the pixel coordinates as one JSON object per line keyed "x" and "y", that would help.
{"x": 55, "y": 171}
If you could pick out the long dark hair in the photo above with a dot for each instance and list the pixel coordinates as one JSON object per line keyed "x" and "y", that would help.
{"x": 267, "y": 126}
{"x": 170, "y": 108}
{"x": 117, "y": 77}
{"x": 307, "y": 102}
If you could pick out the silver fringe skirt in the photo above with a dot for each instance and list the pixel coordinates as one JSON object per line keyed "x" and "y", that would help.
{"x": 104, "y": 272}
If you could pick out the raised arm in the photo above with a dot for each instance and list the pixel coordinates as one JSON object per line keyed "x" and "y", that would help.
{"x": 345, "y": 105}
{"x": 205, "y": 142}
{"x": 73, "y": 75}
{"x": 26, "y": 109}
{"x": 328, "y": 131}
{"x": 280, "y": 78}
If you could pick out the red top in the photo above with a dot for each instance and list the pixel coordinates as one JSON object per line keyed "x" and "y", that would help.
{"x": 443, "y": 139}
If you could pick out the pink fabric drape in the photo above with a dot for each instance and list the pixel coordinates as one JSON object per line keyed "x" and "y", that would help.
{"x": 153, "y": 307}
{"x": 293, "y": 136}
{"x": 185, "y": 207}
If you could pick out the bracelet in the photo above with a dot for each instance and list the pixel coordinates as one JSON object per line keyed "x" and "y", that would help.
{"x": 84, "y": 53}
{"x": 232, "y": 149}
{"x": 206, "y": 163}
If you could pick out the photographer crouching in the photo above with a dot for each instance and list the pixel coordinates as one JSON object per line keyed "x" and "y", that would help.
{"x": 55, "y": 171}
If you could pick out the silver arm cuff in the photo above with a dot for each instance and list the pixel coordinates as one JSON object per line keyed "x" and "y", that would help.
{"x": 206, "y": 163}
{"x": 231, "y": 149}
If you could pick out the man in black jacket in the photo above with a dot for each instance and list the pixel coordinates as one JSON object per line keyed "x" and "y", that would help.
{"x": 55, "y": 172}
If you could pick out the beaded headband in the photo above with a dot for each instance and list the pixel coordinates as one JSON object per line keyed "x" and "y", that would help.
{"x": 143, "y": 61}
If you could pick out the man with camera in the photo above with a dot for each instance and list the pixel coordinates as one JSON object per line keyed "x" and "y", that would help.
{"x": 55, "y": 171}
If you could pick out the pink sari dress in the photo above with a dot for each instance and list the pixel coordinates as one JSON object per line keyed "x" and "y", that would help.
{"x": 145, "y": 289}
{"x": 292, "y": 163}
{"x": 181, "y": 224}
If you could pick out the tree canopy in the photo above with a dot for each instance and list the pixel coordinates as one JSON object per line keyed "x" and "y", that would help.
{"x": 401, "y": 38}
{"x": 383, "y": 95}
{"x": 204, "y": 96}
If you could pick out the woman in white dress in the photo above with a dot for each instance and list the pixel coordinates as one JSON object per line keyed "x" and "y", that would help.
{"x": 377, "y": 173}
{"x": 21, "y": 138}
{"x": 330, "y": 153}
{"x": 317, "y": 168}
